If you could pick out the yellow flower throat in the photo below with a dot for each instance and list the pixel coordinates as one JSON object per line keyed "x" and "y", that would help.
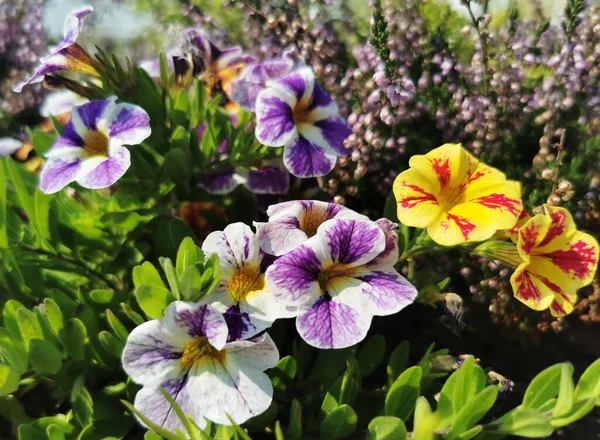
{"x": 245, "y": 281}
{"x": 200, "y": 350}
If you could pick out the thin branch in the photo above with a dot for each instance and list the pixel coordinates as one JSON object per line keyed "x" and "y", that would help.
{"x": 560, "y": 147}
{"x": 73, "y": 261}
{"x": 484, "y": 49}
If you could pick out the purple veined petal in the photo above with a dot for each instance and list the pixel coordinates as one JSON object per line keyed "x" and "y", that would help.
{"x": 304, "y": 159}
{"x": 232, "y": 57}
{"x": 275, "y": 125}
{"x": 293, "y": 278}
{"x": 386, "y": 292}
{"x": 328, "y": 134}
{"x": 236, "y": 247}
{"x": 67, "y": 147}
{"x": 300, "y": 83}
{"x": 57, "y": 173}
{"x": 329, "y": 324}
{"x": 239, "y": 323}
{"x": 253, "y": 80}
{"x": 73, "y": 27}
{"x": 152, "y": 404}
{"x": 188, "y": 320}
{"x": 127, "y": 123}
{"x": 209, "y": 51}
{"x": 59, "y": 102}
{"x": 265, "y": 259}
{"x": 152, "y": 353}
{"x": 221, "y": 182}
{"x": 389, "y": 257}
{"x": 49, "y": 66}
{"x": 99, "y": 172}
{"x": 268, "y": 180}
{"x": 293, "y": 208}
{"x": 92, "y": 112}
{"x": 321, "y": 103}
{"x": 9, "y": 145}
{"x": 263, "y": 309}
{"x": 230, "y": 389}
{"x": 351, "y": 241}
{"x": 280, "y": 236}
{"x": 259, "y": 353}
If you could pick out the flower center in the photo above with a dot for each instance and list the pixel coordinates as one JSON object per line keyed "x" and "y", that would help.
{"x": 450, "y": 197}
{"x": 200, "y": 350}
{"x": 96, "y": 144}
{"x": 301, "y": 113}
{"x": 313, "y": 218}
{"x": 327, "y": 276}
{"x": 244, "y": 281}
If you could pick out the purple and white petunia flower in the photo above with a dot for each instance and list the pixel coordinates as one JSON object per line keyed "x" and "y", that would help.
{"x": 90, "y": 150}
{"x": 254, "y": 78}
{"x": 248, "y": 306}
{"x": 186, "y": 353}
{"x": 67, "y": 55}
{"x": 336, "y": 284}
{"x": 217, "y": 64}
{"x": 292, "y": 223}
{"x": 270, "y": 178}
{"x": 295, "y": 113}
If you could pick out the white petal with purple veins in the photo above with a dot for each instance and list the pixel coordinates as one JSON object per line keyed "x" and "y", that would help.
{"x": 281, "y": 236}
{"x": 267, "y": 180}
{"x": 386, "y": 292}
{"x": 59, "y": 102}
{"x": 9, "y": 145}
{"x": 300, "y": 83}
{"x": 259, "y": 353}
{"x": 57, "y": 173}
{"x": 306, "y": 159}
{"x": 221, "y": 182}
{"x": 389, "y": 257}
{"x": 185, "y": 321}
{"x": 128, "y": 124}
{"x": 153, "y": 353}
{"x": 105, "y": 171}
{"x": 236, "y": 247}
{"x": 275, "y": 125}
{"x": 330, "y": 324}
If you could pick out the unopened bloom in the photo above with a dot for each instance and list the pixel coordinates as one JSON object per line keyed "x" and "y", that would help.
{"x": 90, "y": 150}
{"x": 67, "y": 55}
{"x": 292, "y": 223}
{"x": 557, "y": 260}
{"x": 217, "y": 65}
{"x": 295, "y": 113}
{"x": 187, "y": 354}
{"x": 254, "y": 78}
{"x": 457, "y": 198}
{"x": 248, "y": 306}
{"x": 337, "y": 281}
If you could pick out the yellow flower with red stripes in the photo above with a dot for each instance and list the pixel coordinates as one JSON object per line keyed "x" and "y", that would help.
{"x": 557, "y": 261}
{"x": 457, "y": 198}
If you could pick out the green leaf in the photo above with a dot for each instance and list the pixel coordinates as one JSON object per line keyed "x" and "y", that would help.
{"x": 45, "y": 358}
{"x": 169, "y": 270}
{"x": 386, "y": 428}
{"x": 9, "y": 315}
{"x": 589, "y": 382}
{"x": 3, "y": 204}
{"x": 564, "y": 402}
{"x": 350, "y": 385}
{"x": 525, "y": 422}
{"x": 13, "y": 351}
{"x": 75, "y": 336}
{"x": 283, "y": 373}
{"x": 402, "y": 396}
{"x": 278, "y": 431}
{"x": 134, "y": 316}
{"x": 190, "y": 283}
{"x": 425, "y": 421}
{"x": 471, "y": 433}
{"x": 188, "y": 255}
{"x": 149, "y": 275}
{"x": 83, "y": 407}
{"x": 27, "y": 432}
{"x": 390, "y": 210}
{"x": 103, "y": 296}
{"x": 168, "y": 236}
{"x": 29, "y": 325}
{"x": 153, "y": 300}
{"x": 473, "y": 411}
{"x": 118, "y": 327}
{"x": 54, "y": 432}
{"x": 580, "y": 409}
{"x": 54, "y": 315}
{"x": 371, "y": 354}
{"x": 111, "y": 344}
{"x": 294, "y": 430}
{"x": 178, "y": 166}
{"x": 543, "y": 387}
{"x": 470, "y": 380}
{"x": 9, "y": 380}
{"x": 398, "y": 361}
{"x": 339, "y": 423}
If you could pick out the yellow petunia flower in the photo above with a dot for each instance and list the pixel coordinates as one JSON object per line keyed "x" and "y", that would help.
{"x": 557, "y": 260}
{"x": 457, "y": 198}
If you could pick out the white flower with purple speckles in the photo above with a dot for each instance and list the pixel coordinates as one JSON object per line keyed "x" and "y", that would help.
{"x": 294, "y": 112}
{"x": 338, "y": 280}
{"x": 67, "y": 55}
{"x": 90, "y": 150}
{"x": 185, "y": 352}
{"x": 292, "y": 223}
{"x": 242, "y": 297}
